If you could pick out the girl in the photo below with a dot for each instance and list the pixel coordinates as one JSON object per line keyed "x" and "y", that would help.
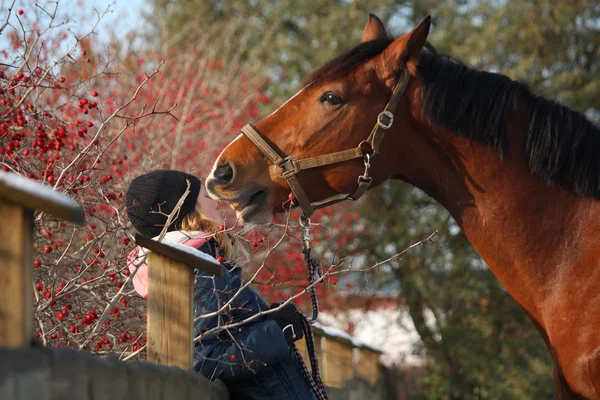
{"x": 255, "y": 360}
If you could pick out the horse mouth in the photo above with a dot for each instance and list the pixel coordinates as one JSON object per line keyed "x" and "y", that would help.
{"x": 251, "y": 207}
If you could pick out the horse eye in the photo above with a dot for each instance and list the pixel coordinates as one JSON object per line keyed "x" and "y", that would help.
{"x": 331, "y": 99}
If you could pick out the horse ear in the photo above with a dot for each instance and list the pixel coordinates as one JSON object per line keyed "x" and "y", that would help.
{"x": 374, "y": 29}
{"x": 404, "y": 52}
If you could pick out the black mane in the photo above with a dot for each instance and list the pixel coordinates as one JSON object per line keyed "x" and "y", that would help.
{"x": 562, "y": 145}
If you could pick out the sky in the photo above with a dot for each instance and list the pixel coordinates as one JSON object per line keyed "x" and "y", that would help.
{"x": 123, "y": 17}
{"x": 125, "y": 14}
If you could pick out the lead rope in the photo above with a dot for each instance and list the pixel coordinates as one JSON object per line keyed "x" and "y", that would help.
{"x": 313, "y": 267}
{"x": 314, "y": 272}
{"x": 314, "y": 376}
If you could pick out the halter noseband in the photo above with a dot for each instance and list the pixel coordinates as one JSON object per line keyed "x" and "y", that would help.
{"x": 366, "y": 150}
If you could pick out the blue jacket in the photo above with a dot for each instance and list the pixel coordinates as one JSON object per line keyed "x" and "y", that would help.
{"x": 254, "y": 360}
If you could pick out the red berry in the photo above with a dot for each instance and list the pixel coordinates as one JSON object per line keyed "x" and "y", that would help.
{"x": 125, "y": 240}
{"x": 47, "y": 249}
{"x": 20, "y": 12}
{"x": 220, "y": 259}
{"x": 39, "y": 287}
{"x": 95, "y": 94}
{"x": 37, "y": 263}
{"x": 291, "y": 196}
{"x": 255, "y": 244}
{"x": 233, "y": 358}
{"x": 221, "y": 227}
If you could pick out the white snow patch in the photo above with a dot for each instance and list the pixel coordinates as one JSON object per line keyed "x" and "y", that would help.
{"x": 194, "y": 252}
{"x": 35, "y": 189}
{"x": 389, "y": 330}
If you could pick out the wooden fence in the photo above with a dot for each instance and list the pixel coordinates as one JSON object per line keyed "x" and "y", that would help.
{"x": 349, "y": 369}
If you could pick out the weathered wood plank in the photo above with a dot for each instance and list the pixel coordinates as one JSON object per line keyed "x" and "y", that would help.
{"x": 49, "y": 374}
{"x": 369, "y": 366}
{"x": 170, "y": 312}
{"x": 35, "y": 196}
{"x": 70, "y": 375}
{"x": 106, "y": 380}
{"x": 16, "y": 260}
{"x": 337, "y": 366}
{"x": 26, "y": 376}
{"x": 144, "y": 382}
{"x": 207, "y": 264}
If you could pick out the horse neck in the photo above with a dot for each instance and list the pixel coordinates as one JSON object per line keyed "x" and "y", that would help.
{"x": 524, "y": 229}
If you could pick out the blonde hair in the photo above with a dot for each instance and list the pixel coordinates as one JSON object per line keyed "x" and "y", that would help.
{"x": 233, "y": 250}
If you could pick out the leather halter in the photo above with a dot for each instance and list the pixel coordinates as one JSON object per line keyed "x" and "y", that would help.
{"x": 365, "y": 150}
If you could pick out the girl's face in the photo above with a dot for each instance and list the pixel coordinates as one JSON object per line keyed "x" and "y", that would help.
{"x": 207, "y": 206}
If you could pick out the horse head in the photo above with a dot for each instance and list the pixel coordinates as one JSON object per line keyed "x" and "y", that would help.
{"x": 335, "y": 111}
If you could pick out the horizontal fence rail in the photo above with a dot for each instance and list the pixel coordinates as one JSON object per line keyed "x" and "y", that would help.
{"x": 56, "y": 374}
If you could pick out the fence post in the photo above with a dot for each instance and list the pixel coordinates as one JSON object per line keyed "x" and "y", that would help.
{"x": 369, "y": 365}
{"x": 19, "y": 198}
{"x": 170, "y": 301}
{"x": 338, "y": 367}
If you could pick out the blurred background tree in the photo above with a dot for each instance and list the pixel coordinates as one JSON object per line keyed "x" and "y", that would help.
{"x": 478, "y": 342}
{"x": 300, "y": 35}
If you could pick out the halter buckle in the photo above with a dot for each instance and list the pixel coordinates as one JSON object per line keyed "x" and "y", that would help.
{"x": 365, "y": 179}
{"x": 389, "y": 116}
{"x": 288, "y": 168}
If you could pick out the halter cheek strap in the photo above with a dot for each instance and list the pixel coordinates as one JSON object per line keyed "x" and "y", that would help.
{"x": 366, "y": 150}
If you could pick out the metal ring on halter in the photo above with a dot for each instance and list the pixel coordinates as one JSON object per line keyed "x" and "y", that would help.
{"x": 387, "y": 114}
{"x": 366, "y": 147}
{"x": 304, "y": 221}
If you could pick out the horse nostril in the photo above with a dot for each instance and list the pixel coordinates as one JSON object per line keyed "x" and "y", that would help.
{"x": 223, "y": 174}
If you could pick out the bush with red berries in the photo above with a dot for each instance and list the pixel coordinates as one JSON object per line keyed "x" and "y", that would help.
{"x": 75, "y": 119}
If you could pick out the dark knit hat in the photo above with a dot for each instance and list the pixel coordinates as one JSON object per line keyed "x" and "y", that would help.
{"x": 159, "y": 191}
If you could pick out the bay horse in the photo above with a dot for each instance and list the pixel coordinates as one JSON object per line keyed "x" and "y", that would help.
{"x": 518, "y": 172}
